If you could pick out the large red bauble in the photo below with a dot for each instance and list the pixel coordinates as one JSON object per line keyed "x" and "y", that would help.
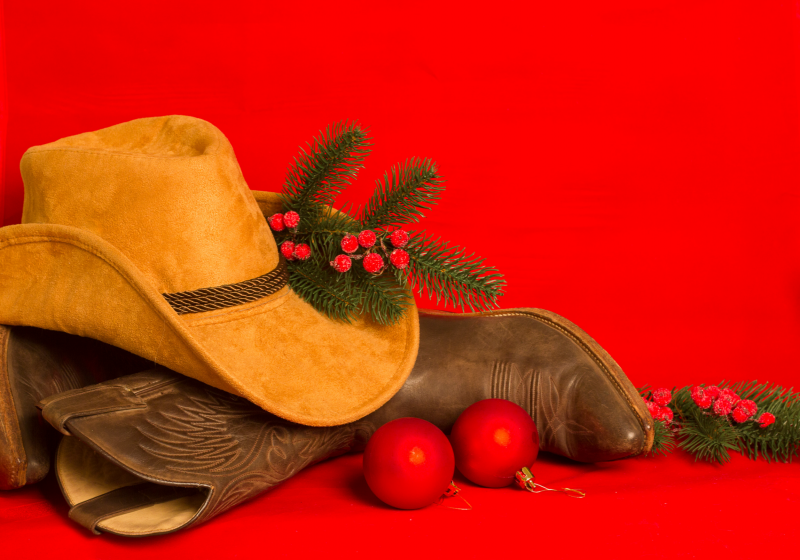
{"x": 492, "y": 440}
{"x": 408, "y": 463}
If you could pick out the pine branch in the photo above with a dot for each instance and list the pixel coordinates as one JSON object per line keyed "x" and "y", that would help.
{"x": 404, "y": 194}
{"x": 320, "y": 173}
{"x": 382, "y": 298}
{"x": 451, "y": 275}
{"x": 663, "y": 439}
{"x": 324, "y": 290}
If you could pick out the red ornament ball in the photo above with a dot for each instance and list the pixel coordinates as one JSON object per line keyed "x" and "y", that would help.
{"x": 367, "y": 238}
{"x": 399, "y": 238}
{"x": 349, "y": 243}
{"x": 408, "y": 463}
{"x": 399, "y": 258}
{"x": 291, "y": 219}
{"x": 287, "y": 250}
{"x": 276, "y": 222}
{"x": 492, "y": 440}
{"x": 302, "y": 251}
{"x": 341, "y": 263}
{"x": 373, "y": 263}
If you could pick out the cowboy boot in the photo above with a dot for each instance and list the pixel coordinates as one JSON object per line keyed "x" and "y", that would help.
{"x": 156, "y": 451}
{"x": 584, "y": 406}
{"x": 34, "y": 364}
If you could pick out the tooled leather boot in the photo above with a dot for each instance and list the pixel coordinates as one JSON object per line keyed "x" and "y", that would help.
{"x": 34, "y": 364}
{"x": 584, "y": 406}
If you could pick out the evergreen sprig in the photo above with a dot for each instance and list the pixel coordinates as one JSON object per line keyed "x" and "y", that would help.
{"x": 409, "y": 190}
{"x": 711, "y": 437}
{"x": 406, "y": 191}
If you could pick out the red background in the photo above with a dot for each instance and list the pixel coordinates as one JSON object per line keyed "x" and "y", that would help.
{"x": 629, "y": 164}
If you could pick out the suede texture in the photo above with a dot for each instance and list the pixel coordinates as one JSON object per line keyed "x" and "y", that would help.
{"x": 114, "y": 218}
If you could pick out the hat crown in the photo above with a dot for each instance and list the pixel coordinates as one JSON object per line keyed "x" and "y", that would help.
{"x": 166, "y": 191}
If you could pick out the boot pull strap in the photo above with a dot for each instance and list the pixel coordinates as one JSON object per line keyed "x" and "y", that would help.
{"x": 100, "y": 399}
{"x": 124, "y": 500}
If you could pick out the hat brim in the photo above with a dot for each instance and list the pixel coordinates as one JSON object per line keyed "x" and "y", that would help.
{"x": 277, "y": 352}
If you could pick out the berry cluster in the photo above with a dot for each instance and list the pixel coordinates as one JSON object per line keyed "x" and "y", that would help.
{"x": 290, "y": 250}
{"x": 724, "y": 402}
{"x": 658, "y": 406}
{"x": 373, "y": 244}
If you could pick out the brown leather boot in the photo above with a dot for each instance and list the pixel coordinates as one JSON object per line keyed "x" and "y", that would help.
{"x": 156, "y": 451}
{"x": 34, "y": 364}
{"x": 583, "y": 404}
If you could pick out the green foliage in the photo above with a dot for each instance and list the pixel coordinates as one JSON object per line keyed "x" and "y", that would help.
{"x": 663, "y": 440}
{"x": 448, "y": 274}
{"x": 406, "y": 193}
{"x": 711, "y": 438}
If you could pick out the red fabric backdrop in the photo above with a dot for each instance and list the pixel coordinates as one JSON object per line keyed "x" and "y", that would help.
{"x": 629, "y": 164}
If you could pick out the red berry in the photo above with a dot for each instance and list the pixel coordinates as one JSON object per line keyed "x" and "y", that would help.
{"x": 741, "y": 414}
{"x": 302, "y": 251}
{"x": 665, "y": 414}
{"x": 349, "y": 243}
{"x": 766, "y": 419}
{"x": 399, "y": 258}
{"x": 291, "y": 219}
{"x": 749, "y": 406}
{"x": 399, "y": 238}
{"x": 373, "y": 263}
{"x": 367, "y": 238}
{"x": 696, "y": 390}
{"x": 712, "y": 391}
{"x": 276, "y": 222}
{"x": 662, "y": 396}
{"x": 731, "y": 396}
{"x": 722, "y": 407}
{"x": 287, "y": 248}
{"x": 653, "y": 408}
{"x": 341, "y": 263}
{"x": 700, "y": 397}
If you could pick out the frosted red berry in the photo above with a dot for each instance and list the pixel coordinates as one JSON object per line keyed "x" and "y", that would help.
{"x": 287, "y": 250}
{"x": 766, "y": 419}
{"x": 749, "y": 406}
{"x": 399, "y": 258}
{"x": 665, "y": 414}
{"x": 399, "y": 238}
{"x": 703, "y": 401}
{"x": 341, "y": 263}
{"x": 653, "y": 408}
{"x": 276, "y": 222}
{"x": 741, "y": 414}
{"x": 291, "y": 219}
{"x": 349, "y": 243}
{"x": 367, "y": 238}
{"x": 712, "y": 391}
{"x": 696, "y": 390}
{"x": 302, "y": 251}
{"x": 730, "y": 395}
{"x": 373, "y": 263}
{"x": 662, "y": 396}
{"x": 722, "y": 407}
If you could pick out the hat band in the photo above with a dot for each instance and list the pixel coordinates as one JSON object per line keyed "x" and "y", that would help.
{"x": 229, "y": 295}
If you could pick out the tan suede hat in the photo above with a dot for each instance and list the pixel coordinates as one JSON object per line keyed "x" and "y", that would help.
{"x": 145, "y": 236}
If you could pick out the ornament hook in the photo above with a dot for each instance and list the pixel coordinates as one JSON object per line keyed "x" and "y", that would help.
{"x": 451, "y": 492}
{"x": 525, "y": 480}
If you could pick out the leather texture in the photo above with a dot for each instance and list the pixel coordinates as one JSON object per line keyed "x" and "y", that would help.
{"x": 172, "y": 431}
{"x": 34, "y": 364}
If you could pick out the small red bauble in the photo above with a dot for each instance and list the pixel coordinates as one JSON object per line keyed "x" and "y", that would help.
{"x": 662, "y": 397}
{"x": 408, "y": 463}
{"x": 341, "y": 263}
{"x": 276, "y": 222}
{"x": 291, "y": 219}
{"x": 399, "y": 238}
{"x": 373, "y": 263}
{"x": 399, "y": 258}
{"x": 367, "y": 238}
{"x": 302, "y": 251}
{"x": 492, "y": 440}
{"x": 349, "y": 243}
{"x": 287, "y": 249}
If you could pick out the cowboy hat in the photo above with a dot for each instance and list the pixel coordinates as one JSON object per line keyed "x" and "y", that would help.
{"x": 144, "y": 235}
